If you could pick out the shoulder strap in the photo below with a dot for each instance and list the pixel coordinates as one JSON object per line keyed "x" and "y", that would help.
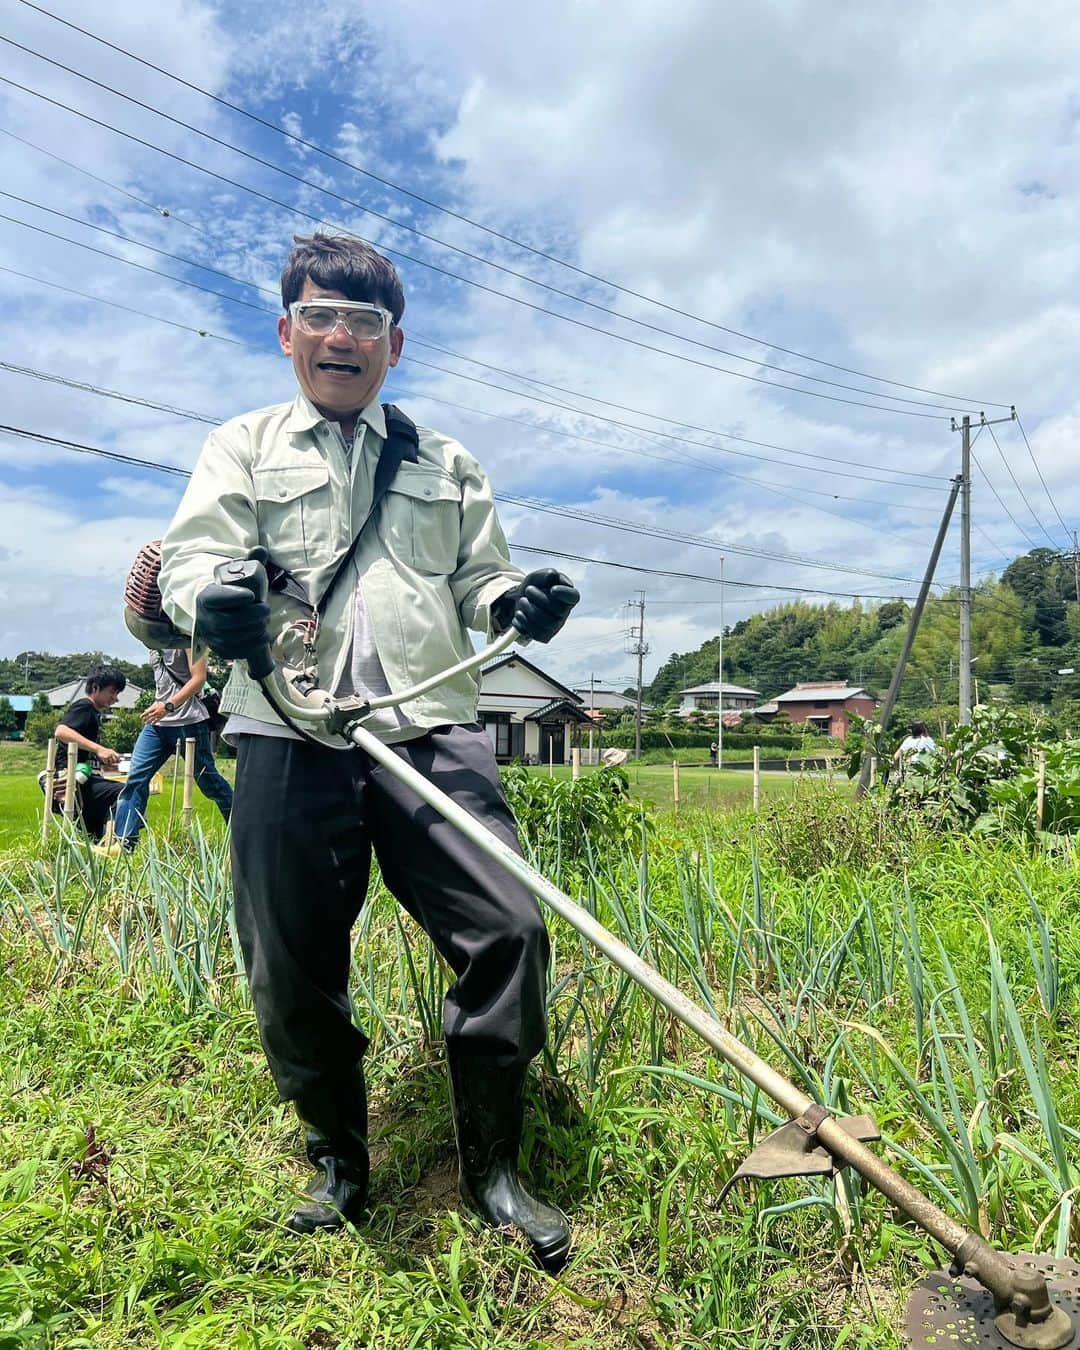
{"x": 402, "y": 443}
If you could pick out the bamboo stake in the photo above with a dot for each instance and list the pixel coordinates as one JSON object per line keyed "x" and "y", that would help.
{"x": 172, "y": 795}
{"x": 757, "y": 777}
{"x": 575, "y": 763}
{"x": 189, "y": 779}
{"x": 69, "y": 784}
{"x": 675, "y": 782}
{"x": 50, "y": 783}
{"x": 1040, "y": 792}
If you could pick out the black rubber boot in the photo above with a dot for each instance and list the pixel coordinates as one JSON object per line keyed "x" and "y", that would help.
{"x": 335, "y": 1115}
{"x": 488, "y": 1116}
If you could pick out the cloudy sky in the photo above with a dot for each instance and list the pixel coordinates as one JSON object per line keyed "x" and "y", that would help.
{"x": 710, "y": 280}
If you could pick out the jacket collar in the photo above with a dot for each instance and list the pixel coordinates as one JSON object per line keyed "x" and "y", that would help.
{"x": 304, "y": 416}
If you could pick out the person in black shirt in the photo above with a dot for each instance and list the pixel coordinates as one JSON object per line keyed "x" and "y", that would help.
{"x": 80, "y": 727}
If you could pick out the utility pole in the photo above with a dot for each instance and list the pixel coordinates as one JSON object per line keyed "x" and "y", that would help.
{"x": 637, "y": 646}
{"x": 873, "y": 751}
{"x": 1076, "y": 565}
{"x": 720, "y": 678}
{"x": 964, "y": 427}
{"x": 965, "y": 570}
{"x": 592, "y": 710}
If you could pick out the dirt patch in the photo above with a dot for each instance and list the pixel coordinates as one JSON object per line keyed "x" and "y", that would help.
{"x": 436, "y": 1191}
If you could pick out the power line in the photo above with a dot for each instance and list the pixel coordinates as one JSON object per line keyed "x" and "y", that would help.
{"x": 989, "y": 483}
{"x": 505, "y": 238}
{"x": 130, "y": 262}
{"x": 81, "y": 448}
{"x": 533, "y": 503}
{"x": 670, "y": 421}
{"x": 421, "y": 262}
{"x": 686, "y": 459}
{"x": 1023, "y": 496}
{"x": 475, "y": 257}
{"x": 128, "y": 309}
{"x": 692, "y": 576}
{"x": 1042, "y": 480}
{"x": 142, "y": 201}
{"x": 240, "y": 281}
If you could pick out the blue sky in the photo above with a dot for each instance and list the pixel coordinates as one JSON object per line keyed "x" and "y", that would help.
{"x": 891, "y": 193}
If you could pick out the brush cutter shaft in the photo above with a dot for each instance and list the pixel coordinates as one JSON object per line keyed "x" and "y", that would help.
{"x": 988, "y": 1266}
{"x": 738, "y": 1055}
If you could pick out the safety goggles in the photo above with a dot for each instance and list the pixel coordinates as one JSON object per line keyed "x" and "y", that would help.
{"x": 364, "y": 322}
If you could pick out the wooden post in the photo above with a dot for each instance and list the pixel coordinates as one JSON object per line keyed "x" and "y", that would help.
{"x": 1040, "y": 791}
{"x": 50, "y": 783}
{"x": 189, "y": 779}
{"x": 757, "y": 777}
{"x": 172, "y": 795}
{"x": 575, "y": 763}
{"x": 873, "y": 770}
{"x": 69, "y": 784}
{"x": 675, "y": 783}
{"x": 551, "y": 756}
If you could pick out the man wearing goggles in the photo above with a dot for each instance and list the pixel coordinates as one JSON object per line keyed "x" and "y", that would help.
{"x": 306, "y": 481}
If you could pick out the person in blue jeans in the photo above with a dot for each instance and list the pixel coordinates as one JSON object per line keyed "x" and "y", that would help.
{"x": 176, "y": 714}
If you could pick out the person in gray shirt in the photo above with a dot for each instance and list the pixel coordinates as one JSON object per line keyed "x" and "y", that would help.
{"x": 176, "y": 714}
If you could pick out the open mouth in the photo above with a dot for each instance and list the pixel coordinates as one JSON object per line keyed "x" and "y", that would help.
{"x": 339, "y": 368}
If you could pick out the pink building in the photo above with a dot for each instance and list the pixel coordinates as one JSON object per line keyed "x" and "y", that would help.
{"x": 828, "y": 706}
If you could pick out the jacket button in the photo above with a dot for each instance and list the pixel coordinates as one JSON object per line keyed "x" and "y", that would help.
{"x": 283, "y": 492}
{"x": 427, "y": 492}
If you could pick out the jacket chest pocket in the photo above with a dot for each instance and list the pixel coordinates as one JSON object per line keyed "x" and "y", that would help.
{"x": 293, "y": 506}
{"x": 422, "y": 518}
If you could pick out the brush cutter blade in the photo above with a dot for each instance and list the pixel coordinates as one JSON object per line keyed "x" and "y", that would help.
{"x": 792, "y": 1151}
{"x": 945, "y": 1311}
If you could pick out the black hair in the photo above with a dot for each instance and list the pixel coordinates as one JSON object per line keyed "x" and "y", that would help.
{"x": 338, "y": 263}
{"x": 920, "y": 729}
{"x": 105, "y": 677}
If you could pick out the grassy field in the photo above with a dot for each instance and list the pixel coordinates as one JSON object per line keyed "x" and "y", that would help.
{"x": 21, "y": 799}
{"x": 145, "y": 1164}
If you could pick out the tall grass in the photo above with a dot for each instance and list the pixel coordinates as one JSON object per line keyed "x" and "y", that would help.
{"x": 927, "y": 982}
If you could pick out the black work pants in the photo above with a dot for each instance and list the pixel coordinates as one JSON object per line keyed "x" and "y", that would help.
{"x": 305, "y": 819}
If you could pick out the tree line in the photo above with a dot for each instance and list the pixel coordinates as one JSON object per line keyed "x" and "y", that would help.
{"x": 1025, "y": 631}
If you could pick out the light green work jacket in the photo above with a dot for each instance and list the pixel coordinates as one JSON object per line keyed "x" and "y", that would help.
{"x": 431, "y": 561}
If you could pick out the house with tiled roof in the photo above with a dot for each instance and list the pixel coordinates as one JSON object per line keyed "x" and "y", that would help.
{"x": 528, "y": 714}
{"x": 826, "y": 705}
{"x": 703, "y": 697}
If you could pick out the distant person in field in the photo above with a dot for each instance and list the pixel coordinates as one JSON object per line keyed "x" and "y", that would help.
{"x": 917, "y": 742}
{"x": 176, "y": 714}
{"x": 80, "y": 727}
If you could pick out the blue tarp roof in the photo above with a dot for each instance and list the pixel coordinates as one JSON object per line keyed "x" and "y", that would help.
{"x": 20, "y": 702}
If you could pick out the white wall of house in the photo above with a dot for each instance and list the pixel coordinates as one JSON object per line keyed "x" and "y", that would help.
{"x": 509, "y": 693}
{"x": 689, "y": 703}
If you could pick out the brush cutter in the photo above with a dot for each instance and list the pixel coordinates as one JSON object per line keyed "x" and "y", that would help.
{"x": 987, "y": 1298}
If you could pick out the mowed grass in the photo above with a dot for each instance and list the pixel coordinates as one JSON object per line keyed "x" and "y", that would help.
{"x": 699, "y": 786}
{"x": 146, "y": 1165}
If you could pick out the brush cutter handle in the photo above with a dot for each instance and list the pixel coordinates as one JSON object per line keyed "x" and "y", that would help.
{"x": 250, "y": 573}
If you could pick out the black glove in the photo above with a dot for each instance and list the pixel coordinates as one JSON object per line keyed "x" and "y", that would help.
{"x": 231, "y": 621}
{"x": 541, "y": 604}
